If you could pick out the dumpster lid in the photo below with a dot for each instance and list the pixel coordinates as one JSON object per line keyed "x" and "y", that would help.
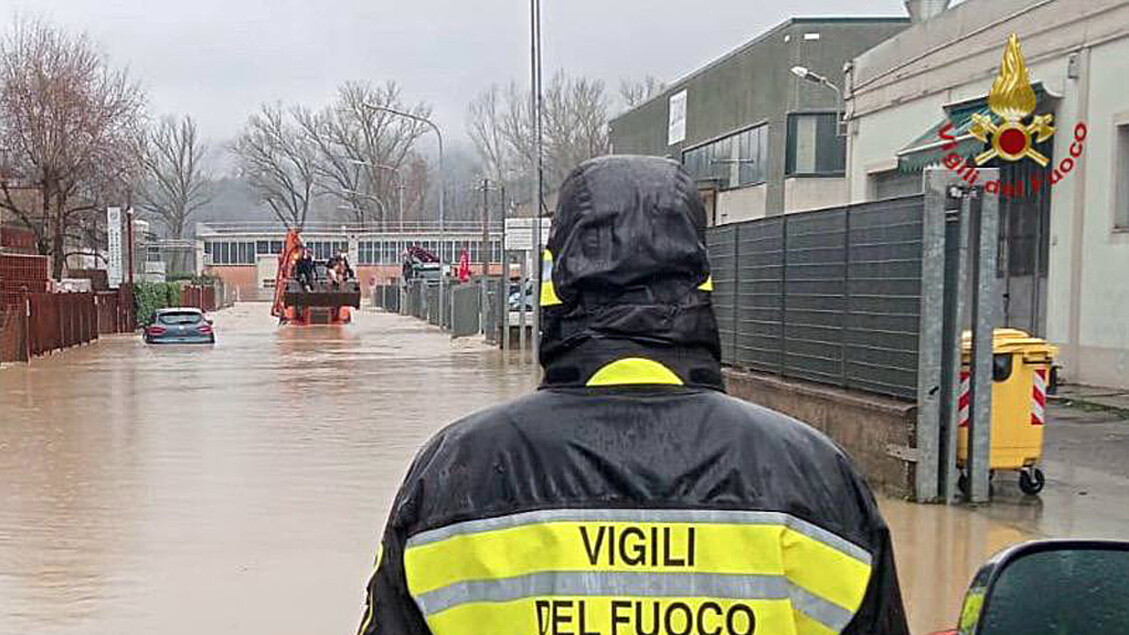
{"x": 1012, "y": 341}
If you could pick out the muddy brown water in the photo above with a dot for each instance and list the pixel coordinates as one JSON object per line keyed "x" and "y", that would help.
{"x": 240, "y": 489}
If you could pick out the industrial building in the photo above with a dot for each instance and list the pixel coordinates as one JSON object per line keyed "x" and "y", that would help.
{"x": 1064, "y": 227}
{"x": 760, "y": 139}
{"x": 245, "y": 255}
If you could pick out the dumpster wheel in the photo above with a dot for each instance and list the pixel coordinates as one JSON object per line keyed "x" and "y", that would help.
{"x": 962, "y": 483}
{"x": 1031, "y": 481}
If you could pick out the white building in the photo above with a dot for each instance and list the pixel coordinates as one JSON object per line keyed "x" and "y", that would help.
{"x": 1072, "y": 237}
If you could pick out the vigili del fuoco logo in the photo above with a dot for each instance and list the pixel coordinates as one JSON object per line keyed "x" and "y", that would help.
{"x": 1013, "y": 132}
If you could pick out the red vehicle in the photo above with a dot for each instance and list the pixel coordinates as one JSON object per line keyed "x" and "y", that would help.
{"x": 315, "y": 295}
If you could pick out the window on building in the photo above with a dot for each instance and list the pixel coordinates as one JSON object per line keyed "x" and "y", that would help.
{"x": 391, "y": 252}
{"x": 231, "y": 252}
{"x": 268, "y": 247}
{"x": 1121, "y": 212}
{"x": 368, "y": 252}
{"x": 814, "y": 145}
{"x": 736, "y": 160}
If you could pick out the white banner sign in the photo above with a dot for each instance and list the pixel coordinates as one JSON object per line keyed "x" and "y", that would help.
{"x": 676, "y": 122}
{"x": 114, "y": 246}
{"x": 519, "y": 233}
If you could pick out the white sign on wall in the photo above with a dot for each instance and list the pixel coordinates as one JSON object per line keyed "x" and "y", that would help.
{"x": 676, "y": 125}
{"x": 114, "y": 246}
{"x": 519, "y": 233}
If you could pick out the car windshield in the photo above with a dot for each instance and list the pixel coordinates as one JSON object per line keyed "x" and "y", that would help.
{"x": 178, "y": 318}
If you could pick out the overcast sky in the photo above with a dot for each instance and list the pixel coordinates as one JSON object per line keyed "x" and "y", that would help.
{"x": 219, "y": 59}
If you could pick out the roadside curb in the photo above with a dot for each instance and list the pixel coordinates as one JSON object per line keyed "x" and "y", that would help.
{"x": 1087, "y": 404}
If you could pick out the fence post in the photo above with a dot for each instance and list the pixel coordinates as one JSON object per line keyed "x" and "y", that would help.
{"x": 986, "y": 229}
{"x": 845, "y": 328}
{"x": 784, "y": 296}
{"x": 27, "y": 327}
{"x": 930, "y": 336}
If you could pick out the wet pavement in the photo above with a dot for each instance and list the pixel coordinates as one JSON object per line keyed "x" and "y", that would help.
{"x": 241, "y": 488}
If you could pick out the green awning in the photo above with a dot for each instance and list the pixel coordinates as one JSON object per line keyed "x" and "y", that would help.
{"x": 929, "y": 148}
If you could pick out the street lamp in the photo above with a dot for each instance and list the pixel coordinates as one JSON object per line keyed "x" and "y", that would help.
{"x": 807, "y": 74}
{"x": 442, "y": 188}
{"x": 399, "y": 182}
{"x": 383, "y": 207}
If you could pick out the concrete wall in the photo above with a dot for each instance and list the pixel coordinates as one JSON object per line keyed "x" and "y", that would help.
{"x": 746, "y": 203}
{"x": 865, "y": 426}
{"x": 810, "y": 192}
{"x": 242, "y": 278}
{"x": 1094, "y": 324}
{"x": 898, "y": 90}
{"x": 754, "y": 85}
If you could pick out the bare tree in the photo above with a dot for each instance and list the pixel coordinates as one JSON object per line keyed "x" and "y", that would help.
{"x": 485, "y": 116}
{"x": 636, "y": 91}
{"x": 361, "y": 148}
{"x": 279, "y": 159}
{"x": 176, "y": 183}
{"x": 575, "y": 123}
{"x": 575, "y": 128}
{"x": 68, "y": 124}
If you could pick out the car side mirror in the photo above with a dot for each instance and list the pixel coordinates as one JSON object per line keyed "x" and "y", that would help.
{"x": 1054, "y": 587}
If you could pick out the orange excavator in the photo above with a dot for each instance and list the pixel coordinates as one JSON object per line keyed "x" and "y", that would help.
{"x": 314, "y": 298}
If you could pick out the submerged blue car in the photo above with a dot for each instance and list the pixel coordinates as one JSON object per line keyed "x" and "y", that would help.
{"x": 180, "y": 325}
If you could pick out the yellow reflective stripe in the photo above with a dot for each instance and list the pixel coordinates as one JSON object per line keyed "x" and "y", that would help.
{"x": 548, "y": 291}
{"x": 633, "y": 614}
{"x": 634, "y": 370}
{"x": 717, "y": 548}
{"x": 707, "y": 285}
{"x": 824, "y": 571}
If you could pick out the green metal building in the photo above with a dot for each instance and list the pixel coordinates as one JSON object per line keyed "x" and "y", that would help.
{"x": 759, "y": 139}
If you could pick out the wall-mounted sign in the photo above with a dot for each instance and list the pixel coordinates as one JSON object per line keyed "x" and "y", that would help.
{"x": 676, "y": 125}
{"x": 114, "y": 246}
{"x": 519, "y": 233}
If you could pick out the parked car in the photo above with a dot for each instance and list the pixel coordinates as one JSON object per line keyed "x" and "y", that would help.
{"x": 515, "y": 296}
{"x": 180, "y": 325}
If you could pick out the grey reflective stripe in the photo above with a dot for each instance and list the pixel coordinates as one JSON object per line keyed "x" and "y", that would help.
{"x": 635, "y": 584}
{"x": 697, "y": 516}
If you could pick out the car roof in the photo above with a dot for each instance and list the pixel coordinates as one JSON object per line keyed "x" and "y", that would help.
{"x": 179, "y": 309}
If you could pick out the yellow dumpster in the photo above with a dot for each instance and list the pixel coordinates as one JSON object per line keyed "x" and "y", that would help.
{"x": 1021, "y": 367}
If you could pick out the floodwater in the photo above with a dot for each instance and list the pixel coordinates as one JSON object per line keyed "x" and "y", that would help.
{"x": 241, "y": 489}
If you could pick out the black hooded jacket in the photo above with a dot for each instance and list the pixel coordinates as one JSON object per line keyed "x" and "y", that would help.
{"x": 630, "y": 495}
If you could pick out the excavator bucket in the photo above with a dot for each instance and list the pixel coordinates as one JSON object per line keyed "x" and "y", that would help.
{"x": 315, "y": 299}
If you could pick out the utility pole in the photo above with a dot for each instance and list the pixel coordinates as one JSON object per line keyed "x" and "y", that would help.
{"x": 535, "y": 10}
{"x": 442, "y": 192}
{"x": 484, "y": 252}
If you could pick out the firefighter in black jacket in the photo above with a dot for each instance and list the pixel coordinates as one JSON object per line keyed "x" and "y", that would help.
{"x": 630, "y": 495}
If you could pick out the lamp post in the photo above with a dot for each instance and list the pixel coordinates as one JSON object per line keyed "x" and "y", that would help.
{"x": 806, "y": 74}
{"x": 383, "y": 207}
{"x": 442, "y": 189}
{"x": 535, "y": 107}
{"x": 399, "y": 183}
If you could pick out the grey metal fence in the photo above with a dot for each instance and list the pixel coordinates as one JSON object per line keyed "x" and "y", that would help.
{"x": 431, "y": 293}
{"x": 496, "y": 303}
{"x": 387, "y": 297}
{"x": 831, "y": 296}
{"x": 466, "y": 311}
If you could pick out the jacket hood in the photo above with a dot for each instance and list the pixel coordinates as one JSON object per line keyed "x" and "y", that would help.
{"x": 626, "y": 270}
